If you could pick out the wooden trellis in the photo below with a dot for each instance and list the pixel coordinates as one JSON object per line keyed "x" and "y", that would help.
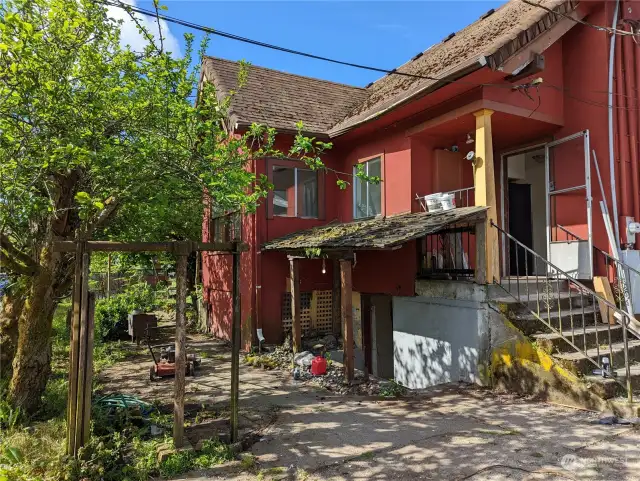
{"x": 82, "y": 331}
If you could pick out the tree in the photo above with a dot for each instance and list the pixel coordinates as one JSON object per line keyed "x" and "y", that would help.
{"x": 99, "y": 141}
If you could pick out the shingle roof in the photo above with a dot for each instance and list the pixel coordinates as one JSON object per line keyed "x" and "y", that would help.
{"x": 281, "y": 99}
{"x": 501, "y": 34}
{"x": 378, "y": 233}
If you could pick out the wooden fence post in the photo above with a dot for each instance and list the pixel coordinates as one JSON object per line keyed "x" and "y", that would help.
{"x": 181, "y": 355}
{"x": 295, "y": 305}
{"x": 235, "y": 344}
{"x": 347, "y": 318}
{"x": 72, "y": 404}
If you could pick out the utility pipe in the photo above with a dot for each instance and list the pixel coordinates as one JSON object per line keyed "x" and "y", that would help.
{"x": 612, "y": 160}
{"x": 632, "y": 119}
{"x": 623, "y": 133}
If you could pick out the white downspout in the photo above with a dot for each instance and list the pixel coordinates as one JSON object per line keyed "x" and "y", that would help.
{"x": 612, "y": 160}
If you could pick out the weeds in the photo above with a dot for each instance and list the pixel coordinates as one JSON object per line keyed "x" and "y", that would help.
{"x": 393, "y": 389}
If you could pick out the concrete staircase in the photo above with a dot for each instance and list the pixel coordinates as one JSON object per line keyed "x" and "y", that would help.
{"x": 528, "y": 301}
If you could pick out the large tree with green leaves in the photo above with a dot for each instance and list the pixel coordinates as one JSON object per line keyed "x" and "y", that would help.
{"x": 99, "y": 141}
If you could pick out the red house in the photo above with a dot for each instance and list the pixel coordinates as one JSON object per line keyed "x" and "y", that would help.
{"x": 512, "y": 115}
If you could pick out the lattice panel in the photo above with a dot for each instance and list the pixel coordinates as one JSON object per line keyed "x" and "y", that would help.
{"x": 324, "y": 312}
{"x": 305, "y": 311}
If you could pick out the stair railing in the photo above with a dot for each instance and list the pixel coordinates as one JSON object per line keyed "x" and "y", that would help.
{"x": 550, "y": 278}
{"x": 613, "y": 268}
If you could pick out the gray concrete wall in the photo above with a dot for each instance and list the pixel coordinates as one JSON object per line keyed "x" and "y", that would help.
{"x": 442, "y": 335}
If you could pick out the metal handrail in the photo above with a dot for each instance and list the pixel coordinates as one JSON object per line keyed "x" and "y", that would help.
{"x": 605, "y": 254}
{"x": 621, "y": 316}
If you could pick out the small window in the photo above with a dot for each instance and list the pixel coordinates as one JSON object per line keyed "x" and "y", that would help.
{"x": 295, "y": 192}
{"x": 367, "y": 197}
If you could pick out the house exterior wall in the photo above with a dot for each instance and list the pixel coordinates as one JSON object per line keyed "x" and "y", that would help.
{"x": 572, "y": 98}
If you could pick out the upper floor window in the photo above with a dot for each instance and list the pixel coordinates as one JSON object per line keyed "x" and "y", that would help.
{"x": 295, "y": 192}
{"x": 367, "y": 197}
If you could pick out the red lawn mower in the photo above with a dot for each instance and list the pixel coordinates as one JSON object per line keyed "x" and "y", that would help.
{"x": 164, "y": 359}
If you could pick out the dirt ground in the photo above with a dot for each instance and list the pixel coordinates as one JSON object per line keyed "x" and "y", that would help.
{"x": 453, "y": 433}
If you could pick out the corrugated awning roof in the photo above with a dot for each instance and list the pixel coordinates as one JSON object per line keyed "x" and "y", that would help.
{"x": 381, "y": 233}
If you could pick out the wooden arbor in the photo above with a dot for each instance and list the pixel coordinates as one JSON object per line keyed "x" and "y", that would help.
{"x": 342, "y": 293}
{"x": 81, "y": 352}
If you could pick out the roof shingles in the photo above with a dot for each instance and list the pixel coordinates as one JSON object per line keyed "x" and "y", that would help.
{"x": 280, "y": 99}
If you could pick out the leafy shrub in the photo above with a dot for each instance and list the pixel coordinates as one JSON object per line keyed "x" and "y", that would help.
{"x": 111, "y": 315}
{"x": 393, "y": 389}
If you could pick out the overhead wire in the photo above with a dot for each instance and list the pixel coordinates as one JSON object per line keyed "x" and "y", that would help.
{"x": 212, "y": 31}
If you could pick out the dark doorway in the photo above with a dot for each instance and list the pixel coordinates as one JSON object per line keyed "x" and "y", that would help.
{"x": 520, "y": 227}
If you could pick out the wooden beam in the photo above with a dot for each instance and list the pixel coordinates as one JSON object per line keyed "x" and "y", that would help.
{"x": 87, "y": 383}
{"x": 335, "y": 298}
{"x": 295, "y": 304}
{"x": 82, "y": 353}
{"x": 235, "y": 346}
{"x": 485, "y": 190}
{"x": 109, "y": 275}
{"x": 481, "y": 252}
{"x": 173, "y": 246}
{"x": 181, "y": 355}
{"x": 346, "y": 290}
{"x": 72, "y": 401}
{"x": 602, "y": 286}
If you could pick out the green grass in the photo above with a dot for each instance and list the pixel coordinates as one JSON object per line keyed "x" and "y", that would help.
{"x": 32, "y": 449}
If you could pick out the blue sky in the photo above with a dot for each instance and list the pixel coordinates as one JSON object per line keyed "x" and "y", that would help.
{"x": 384, "y": 34}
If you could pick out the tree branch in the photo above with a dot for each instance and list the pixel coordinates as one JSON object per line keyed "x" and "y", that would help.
{"x": 15, "y": 267}
{"x": 15, "y": 257}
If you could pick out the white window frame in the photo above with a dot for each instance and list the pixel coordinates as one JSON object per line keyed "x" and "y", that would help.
{"x": 357, "y": 179}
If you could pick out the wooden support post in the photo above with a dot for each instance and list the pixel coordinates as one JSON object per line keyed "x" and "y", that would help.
{"x": 295, "y": 305}
{"x": 181, "y": 355}
{"x": 88, "y": 379}
{"x": 72, "y": 401}
{"x": 481, "y": 252}
{"x": 347, "y": 319}
{"x": 335, "y": 298}
{"x": 235, "y": 346}
{"x": 485, "y": 190}
{"x": 109, "y": 275}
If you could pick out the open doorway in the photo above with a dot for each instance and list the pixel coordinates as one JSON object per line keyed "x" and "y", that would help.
{"x": 526, "y": 200}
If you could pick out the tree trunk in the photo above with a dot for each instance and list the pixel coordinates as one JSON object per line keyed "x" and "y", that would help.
{"x": 32, "y": 361}
{"x": 12, "y": 304}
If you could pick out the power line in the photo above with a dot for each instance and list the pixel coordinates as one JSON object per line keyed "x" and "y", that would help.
{"x": 612, "y": 31}
{"x": 239, "y": 38}
{"x": 258, "y": 43}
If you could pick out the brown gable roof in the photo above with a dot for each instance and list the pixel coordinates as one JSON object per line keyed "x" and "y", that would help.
{"x": 280, "y": 99}
{"x": 488, "y": 41}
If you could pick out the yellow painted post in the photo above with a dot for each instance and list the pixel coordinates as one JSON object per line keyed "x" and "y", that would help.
{"x": 485, "y": 190}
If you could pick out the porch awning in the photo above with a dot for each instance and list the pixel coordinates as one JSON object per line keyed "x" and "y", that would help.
{"x": 380, "y": 233}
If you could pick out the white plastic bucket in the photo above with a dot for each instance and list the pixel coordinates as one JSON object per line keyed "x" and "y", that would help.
{"x": 447, "y": 201}
{"x": 433, "y": 202}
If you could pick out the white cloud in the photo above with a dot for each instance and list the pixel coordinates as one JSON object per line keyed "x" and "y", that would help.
{"x": 129, "y": 34}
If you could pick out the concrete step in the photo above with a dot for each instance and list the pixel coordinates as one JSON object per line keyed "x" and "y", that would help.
{"x": 579, "y": 364}
{"x": 569, "y": 319}
{"x": 608, "y": 388}
{"x": 520, "y": 285}
{"x": 534, "y": 301}
{"x": 591, "y": 336}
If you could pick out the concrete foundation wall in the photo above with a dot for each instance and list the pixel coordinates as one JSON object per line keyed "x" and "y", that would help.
{"x": 442, "y": 335}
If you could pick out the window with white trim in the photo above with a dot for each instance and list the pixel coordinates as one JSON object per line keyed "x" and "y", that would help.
{"x": 367, "y": 197}
{"x": 295, "y": 192}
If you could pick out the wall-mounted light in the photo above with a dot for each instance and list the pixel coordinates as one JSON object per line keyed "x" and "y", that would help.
{"x": 470, "y": 139}
{"x": 324, "y": 267}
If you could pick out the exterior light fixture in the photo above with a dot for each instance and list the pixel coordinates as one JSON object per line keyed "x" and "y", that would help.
{"x": 324, "y": 267}
{"x": 470, "y": 139}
